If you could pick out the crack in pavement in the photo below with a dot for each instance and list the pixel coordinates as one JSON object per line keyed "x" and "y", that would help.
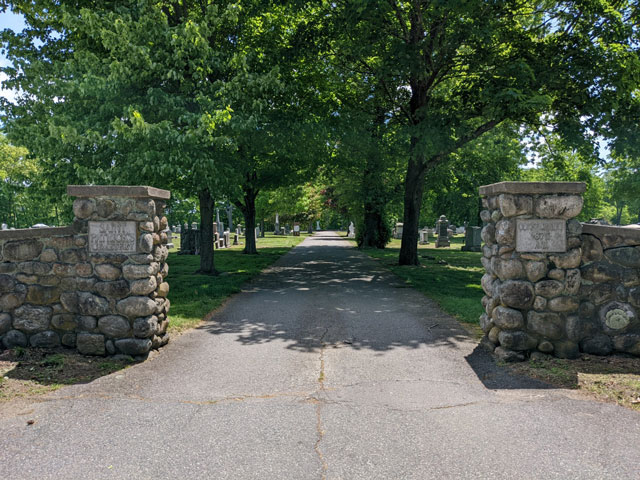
{"x": 319, "y": 404}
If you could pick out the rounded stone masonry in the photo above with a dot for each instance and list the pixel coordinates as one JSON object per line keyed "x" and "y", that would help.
{"x": 532, "y": 257}
{"x": 99, "y": 285}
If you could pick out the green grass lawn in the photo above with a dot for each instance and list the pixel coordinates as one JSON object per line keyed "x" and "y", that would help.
{"x": 449, "y": 276}
{"x": 193, "y": 296}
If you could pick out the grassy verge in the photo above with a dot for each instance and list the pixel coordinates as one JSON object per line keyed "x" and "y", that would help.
{"x": 449, "y": 276}
{"x": 193, "y": 296}
{"x": 612, "y": 379}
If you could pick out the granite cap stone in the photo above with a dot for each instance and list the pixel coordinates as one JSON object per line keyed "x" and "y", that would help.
{"x": 117, "y": 191}
{"x": 532, "y": 188}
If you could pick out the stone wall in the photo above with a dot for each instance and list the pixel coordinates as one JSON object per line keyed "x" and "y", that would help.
{"x": 610, "y": 291}
{"x": 98, "y": 285}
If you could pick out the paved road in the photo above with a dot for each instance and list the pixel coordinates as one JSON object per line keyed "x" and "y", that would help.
{"x": 325, "y": 367}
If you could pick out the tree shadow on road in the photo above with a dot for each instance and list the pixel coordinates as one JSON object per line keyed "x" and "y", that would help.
{"x": 322, "y": 296}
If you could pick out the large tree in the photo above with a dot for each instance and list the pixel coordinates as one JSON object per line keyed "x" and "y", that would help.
{"x": 456, "y": 70}
{"x": 125, "y": 92}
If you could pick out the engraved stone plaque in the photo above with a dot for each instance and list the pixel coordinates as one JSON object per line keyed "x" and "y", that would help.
{"x": 112, "y": 237}
{"x": 541, "y": 236}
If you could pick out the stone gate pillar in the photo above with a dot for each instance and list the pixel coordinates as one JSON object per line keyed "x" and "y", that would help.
{"x": 120, "y": 302}
{"x": 531, "y": 255}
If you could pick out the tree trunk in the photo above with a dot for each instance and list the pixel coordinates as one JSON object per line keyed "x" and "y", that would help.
{"x": 249, "y": 212}
{"x": 262, "y": 228}
{"x": 413, "y": 187}
{"x": 207, "y": 265}
{"x": 373, "y": 235}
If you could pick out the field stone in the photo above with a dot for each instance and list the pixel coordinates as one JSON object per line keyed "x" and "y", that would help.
{"x": 505, "y": 231}
{"x": 539, "y": 303}
{"x": 488, "y": 234}
{"x": 485, "y": 322}
{"x": 493, "y": 334}
{"x": 598, "y": 345}
{"x": 592, "y": 250}
{"x": 5, "y": 323}
{"x": 616, "y": 316}
{"x": 600, "y": 272}
{"x": 107, "y": 272}
{"x": 64, "y": 321}
{"x": 496, "y": 216}
{"x": 507, "y": 269}
{"x": 517, "y": 340}
{"x": 487, "y": 283}
{"x": 48, "y": 339}
{"x": 133, "y": 346}
{"x": 110, "y": 347}
{"x": 626, "y": 256}
{"x": 14, "y": 338}
{"x": 69, "y": 301}
{"x": 163, "y": 290}
{"x": 87, "y": 323}
{"x": 105, "y": 207}
{"x": 508, "y": 318}
{"x": 574, "y": 227}
{"x": 603, "y": 292}
{"x": 160, "y": 253}
{"x": 629, "y": 343}
{"x": 90, "y": 304}
{"x": 578, "y": 327}
{"x": 164, "y": 223}
{"x": 48, "y": 255}
{"x": 572, "y": 282}
{"x": 144, "y": 258}
{"x": 145, "y": 327}
{"x": 7, "y": 283}
{"x": 558, "y": 206}
{"x": 10, "y": 301}
{"x": 146, "y": 206}
{"x": 143, "y": 286}
{"x": 114, "y": 326}
{"x": 34, "y": 268}
{"x": 549, "y": 325}
{"x": 83, "y": 207}
{"x": 513, "y": 205}
{"x": 133, "y": 307}
{"x": 487, "y": 344}
{"x": 20, "y": 250}
{"x": 146, "y": 226}
{"x": 549, "y": 288}
{"x": 545, "y": 346}
{"x": 117, "y": 289}
{"x": 535, "y": 270}
{"x": 570, "y": 259}
{"x": 556, "y": 274}
{"x": 566, "y": 349}
{"x": 32, "y": 319}
{"x": 40, "y": 295}
{"x": 485, "y": 216}
{"x": 134, "y": 272}
{"x": 90, "y": 344}
{"x": 145, "y": 243}
{"x": 68, "y": 340}
{"x": 84, "y": 269}
{"x": 508, "y": 356}
{"x": 517, "y": 294}
{"x": 563, "y": 304}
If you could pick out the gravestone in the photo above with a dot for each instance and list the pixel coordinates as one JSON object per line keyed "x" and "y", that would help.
{"x": 317, "y": 224}
{"x": 397, "y": 231}
{"x": 352, "y": 231}
{"x": 169, "y": 233}
{"x": 218, "y": 222}
{"x": 277, "y": 230}
{"x": 424, "y": 236}
{"x": 230, "y": 215}
{"x": 442, "y": 230}
{"x": 472, "y": 240}
{"x": 296, "y": 229}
